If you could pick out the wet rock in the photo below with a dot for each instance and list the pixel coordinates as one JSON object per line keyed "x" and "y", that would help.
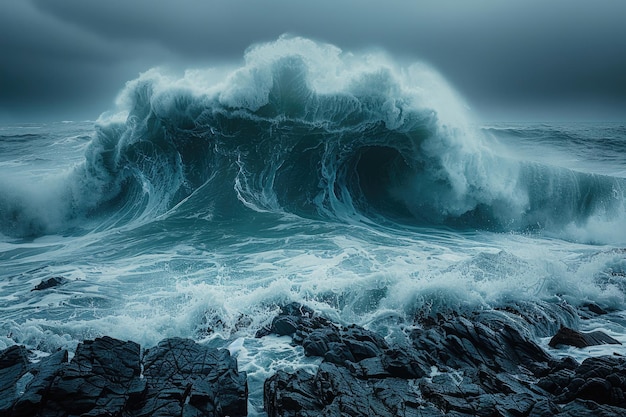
{"x": 481, "y": 364}
{"x": 292, "y": 317}
{"x": 303, "y": 397}
{"x": 13, "y": 365}
{"x": 543, "y": 317}
{"x": 600, "y": 379}
{"x": 460, "y": 343}
{"x": 99, "y": 379}
{"x": 283, "y": 326}
{"x": 49, "y": 283}
{"x": 592, "y": 308}
{"x": 185, "y": 378}
{"x": 43, "y": 374}
{"x": 333, "y": 391}
{"x": 180, "y": 377}
{"x": 571, "y": 337}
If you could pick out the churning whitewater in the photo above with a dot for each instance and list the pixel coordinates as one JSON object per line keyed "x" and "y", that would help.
{"x": 344, "y": 181}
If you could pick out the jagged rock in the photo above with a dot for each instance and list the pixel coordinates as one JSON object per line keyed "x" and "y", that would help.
{"x": 571, "y": 337}
{"x": 333, "y": 391}
{"x": 283, "y": 326}
{"x": 292, "y": 317}
{"x": 180, "y": 377}
{"x": 460, "y": 343}
{"x": 588, "y": 408}
{"x": 43, "y": 374}
{"x": 49, "y": 283}
{"x": 185, "y": 378}
{"x": 479, "y": 364}
{"x": 103, "y": 377}
{"x": 303, "y": 398}
{"x": 601, "y": 379}
{"x": 13, "y": 365}
{"x": 483, "y": 364}
{"x": 544, "y": 407}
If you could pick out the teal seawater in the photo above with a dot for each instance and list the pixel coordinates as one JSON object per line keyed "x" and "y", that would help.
{"x": 347, "y": 182}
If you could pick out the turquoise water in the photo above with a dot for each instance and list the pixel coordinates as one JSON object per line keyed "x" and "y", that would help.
{"x": 350, "y": 183}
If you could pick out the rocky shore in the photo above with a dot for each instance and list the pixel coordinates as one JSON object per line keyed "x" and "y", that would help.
{"x": 479, "y": 364}
{"x": 109, "y": 377}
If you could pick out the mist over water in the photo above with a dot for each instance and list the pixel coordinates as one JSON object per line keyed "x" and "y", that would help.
{"x": 345, "y": 181}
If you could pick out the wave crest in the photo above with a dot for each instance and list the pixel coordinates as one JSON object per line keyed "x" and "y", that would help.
{"x": 305, "y": 128}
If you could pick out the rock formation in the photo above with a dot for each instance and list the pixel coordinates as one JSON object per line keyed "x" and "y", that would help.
{"x": 109, "y": 377}
{"x": 477, "y": 364}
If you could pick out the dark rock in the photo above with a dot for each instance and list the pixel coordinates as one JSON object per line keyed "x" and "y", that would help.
{"x": 292, "y": 317}
{"x": 404, "y": 363}
{"x": 481, "y": 364}
{"x": 332, "y": 391}
{"x": 587, "y": 408}
{"x": 49, "y": 283}
{"x": 303, "y": 399}
{"x": 597, "y": 389}
{"x": 355, "y": 360}
{"x": 556, "y": 381}
{"x": 544, "y": 318}
{"x": 13, "y": 365}
{"x": 369, "y": 368}
{"x": 474, "y": 364}
{"x": 459, "y": 343}
{"x": 99, "y": 379}
{"x": 318, "y": 342}
{"x": 563, "y": 363}
{"x": 515, "y": 404}
{"x": 594, "y": 308}
{"x": 104, "y": 378}
{"x": 286, "y": 325}
{"x": 448, "y": 395}
{"x": 601, "y": 366}
{"x": 44, "y": 373}
{"x": 600, "y": 379}
{"x": 545, "y": 407}
{"x": 185, "y": 378}
{"x": 571, "y": 337}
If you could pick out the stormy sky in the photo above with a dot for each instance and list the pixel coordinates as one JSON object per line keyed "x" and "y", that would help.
{"x": 509, "y": 59}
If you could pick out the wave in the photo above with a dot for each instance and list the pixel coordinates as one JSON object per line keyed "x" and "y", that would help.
{"x": 304, "y": 128}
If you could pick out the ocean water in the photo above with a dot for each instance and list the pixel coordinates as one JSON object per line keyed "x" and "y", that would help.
{"x": 353, "y": 183}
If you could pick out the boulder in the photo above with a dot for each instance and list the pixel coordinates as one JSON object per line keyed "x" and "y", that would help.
{"x": 185, "y": 378}
{"x": 107, "y": 377}
{"x": 102, "y": 377}
{"x": 49, "y": 283}
{"x": 13, "y": 365}
{"x": 571, "y": 337}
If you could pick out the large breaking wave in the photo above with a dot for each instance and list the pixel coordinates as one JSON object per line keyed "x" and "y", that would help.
{"x": 303, "y": 128}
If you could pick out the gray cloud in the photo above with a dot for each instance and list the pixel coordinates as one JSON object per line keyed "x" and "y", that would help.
{"x": 56, "y": 69}
{"x": 73, "y": 56}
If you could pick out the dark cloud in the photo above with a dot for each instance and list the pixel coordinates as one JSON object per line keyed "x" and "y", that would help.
{"x": 67, "y": 56}
{"x": 55, "y": 69}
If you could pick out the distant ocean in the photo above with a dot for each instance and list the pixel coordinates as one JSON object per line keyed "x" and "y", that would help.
{"x": 350, "y": 183}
